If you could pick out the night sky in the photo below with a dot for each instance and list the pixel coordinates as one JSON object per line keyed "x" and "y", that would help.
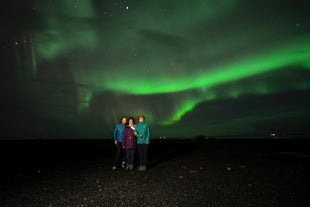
{"x": 72, "y": 68}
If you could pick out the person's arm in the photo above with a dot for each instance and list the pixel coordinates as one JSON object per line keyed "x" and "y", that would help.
{"x": 124, "y": 139}
{"x": 147, "y": 134}
{"x": 136, "y": 131}
{"x": 115, "y": 135}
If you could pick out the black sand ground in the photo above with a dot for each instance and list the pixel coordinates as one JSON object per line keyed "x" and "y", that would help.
{"x": 181, "y": 173}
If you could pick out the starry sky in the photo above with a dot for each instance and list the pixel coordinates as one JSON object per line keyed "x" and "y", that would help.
{"x": 194, "y": 68}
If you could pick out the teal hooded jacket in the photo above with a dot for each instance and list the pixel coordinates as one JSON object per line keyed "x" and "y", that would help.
{"x": 143, "y": 130}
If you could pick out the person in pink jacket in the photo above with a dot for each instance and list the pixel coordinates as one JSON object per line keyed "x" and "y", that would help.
{"x": 130, "y": 143}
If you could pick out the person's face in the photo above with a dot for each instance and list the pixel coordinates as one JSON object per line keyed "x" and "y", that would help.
{"x": 141, "y": 119}
{"x": 130, "y": 122}
{"x": 124, "y": 120}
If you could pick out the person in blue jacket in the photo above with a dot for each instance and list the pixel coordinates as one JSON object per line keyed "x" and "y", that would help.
{"x": 118, "y": 139}
{"x": 142, "y": 132}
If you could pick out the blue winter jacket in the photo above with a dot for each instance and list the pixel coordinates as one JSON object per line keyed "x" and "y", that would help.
{"x": 119, "y": 132}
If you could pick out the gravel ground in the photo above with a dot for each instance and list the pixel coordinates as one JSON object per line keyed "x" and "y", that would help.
{"x": 212, "y": 173}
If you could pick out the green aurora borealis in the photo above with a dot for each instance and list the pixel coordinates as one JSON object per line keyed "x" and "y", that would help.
{"x": 191, "y": 67}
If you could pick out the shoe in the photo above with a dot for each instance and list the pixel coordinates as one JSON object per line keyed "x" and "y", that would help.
{"x": 130, "y": 167}
{"x": 114, "y": 168}
{"x": 123, "y": 164}
{"x": 141, "y": 168}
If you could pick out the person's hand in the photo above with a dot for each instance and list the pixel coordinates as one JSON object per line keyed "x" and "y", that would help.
{"x": 135, "y": 133}
{"x": 115, "y": 142}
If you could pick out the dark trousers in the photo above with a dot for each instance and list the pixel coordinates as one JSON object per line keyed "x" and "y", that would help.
{"x": 142, "y": 151}
{"x": 130, "y": 153}
{"x": 120, "y": 154}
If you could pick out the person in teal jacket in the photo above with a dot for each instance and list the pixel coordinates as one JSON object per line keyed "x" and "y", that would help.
{"x": 142, "y": 132}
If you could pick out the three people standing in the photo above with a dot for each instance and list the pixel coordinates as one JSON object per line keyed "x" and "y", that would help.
{"x": 133, "y": 137}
